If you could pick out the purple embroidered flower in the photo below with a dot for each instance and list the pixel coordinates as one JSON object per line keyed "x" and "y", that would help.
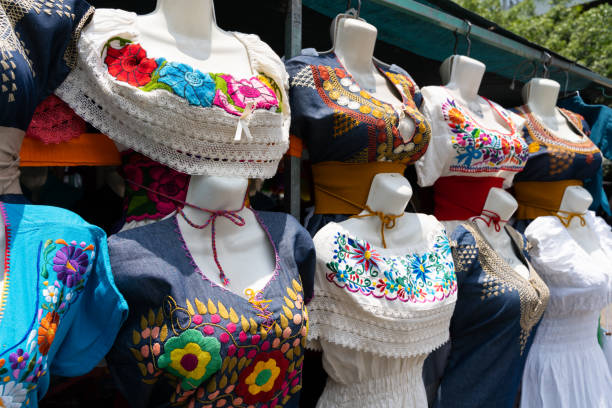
{"x": 70, "y": 263}
{"x": 243, "y": 92}
{"x": 18, "y": 359}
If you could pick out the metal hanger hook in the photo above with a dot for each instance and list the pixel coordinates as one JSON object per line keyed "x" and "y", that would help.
{"x": 351, "y": 10}
{"x": 467, "y": 36}
{"x": 518, "y": 69}
{"x": 546, "y": 61}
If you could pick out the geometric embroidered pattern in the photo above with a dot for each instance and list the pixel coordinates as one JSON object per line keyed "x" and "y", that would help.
{"x": 304, "y": 78}
{"x": 343, "y": 123}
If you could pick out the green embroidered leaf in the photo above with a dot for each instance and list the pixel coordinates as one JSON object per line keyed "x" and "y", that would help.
{"x": 211, "y": 386}
{"x": 160, "y": 317}
{"x": 156, "y": 85}
{"x": 297, "y": 350}
{"x": 44, "y": 273}
{"x": 290, "y": 355}
{"x": 151, "y": 317}
{"x": 476, "y": 132}
{"x": 3, "y": 371}
{"x": 136, "y": 337}
{"x": 291, "y": 367}
{"x": 241, "y": 363}
{"x": 232, "y": 363}
{"x": 136, "y": 354}
{"x": 225, "y": 363}
{"x": 234, "y": 378}
{"x": 223, "y": 382}
{"x": 143, "y": 369}
{"x": 139, "y": 204}
{"x": 143, "y": 322}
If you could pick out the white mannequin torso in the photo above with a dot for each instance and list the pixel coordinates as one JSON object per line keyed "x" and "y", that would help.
{"x": 354, "y": 42}
{"x": 185, "y": 31}
{"x": 390, "y": 194}
{"x": 502, "y": 203}
{"x": 577, "y": 200}
{"x": 540, "y": 96}
{"x": 245, "y": 252}
{"x": 462, "y": 77}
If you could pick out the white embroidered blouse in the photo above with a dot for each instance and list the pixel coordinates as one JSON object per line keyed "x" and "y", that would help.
{"x": 175, "y": 114}
{"x": 377, "y": 313}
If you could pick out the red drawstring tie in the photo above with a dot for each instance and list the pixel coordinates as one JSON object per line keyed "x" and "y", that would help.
{"x": 214, "y": 214}
{"x": 492, "y": 218}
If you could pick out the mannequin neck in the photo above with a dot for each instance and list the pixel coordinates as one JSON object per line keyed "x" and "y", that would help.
{"x": 576, "y": 200}
{"x": 187, "y": 18}
{"x": 540, "y": 95}
{"x": 463, "y": 74}
{"x": 389, "y": 194}
{"x": 215, "y": 193}
{"x": 500, "y": 204}
{"x": 354, "y": 44}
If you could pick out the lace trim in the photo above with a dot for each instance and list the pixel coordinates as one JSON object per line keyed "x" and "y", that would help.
{"x": 403, "y": 389}
{"x": 201, "y": 142}
{"x": 7, "y": 259}
{"x": 70, "y": 55}
{"x": 343, "y": 324}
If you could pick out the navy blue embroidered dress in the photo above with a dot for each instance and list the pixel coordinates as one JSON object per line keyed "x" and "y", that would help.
{"x": 59, "y": 308}
{"x": 188, "y": 341}
{"x": 493, "y": 325}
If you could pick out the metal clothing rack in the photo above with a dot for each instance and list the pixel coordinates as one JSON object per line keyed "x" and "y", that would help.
{"x": 293, "y": 45}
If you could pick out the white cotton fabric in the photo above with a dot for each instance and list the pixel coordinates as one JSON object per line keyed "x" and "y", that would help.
{"x": 165, "y": 127}
{"x": 436, "y": 161}
{"x": 373, "y": 348}
{"x": 566, "y": 367}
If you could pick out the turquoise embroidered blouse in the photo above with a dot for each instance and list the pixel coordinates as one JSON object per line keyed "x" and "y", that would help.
{"x": 59, "y": 308}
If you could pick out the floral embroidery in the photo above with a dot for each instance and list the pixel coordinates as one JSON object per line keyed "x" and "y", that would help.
{"x": 130, "y": 64}
{"x": 348, "y": 100}
{"x": 12, "y": 394}
{"x": 141, "y": 204}
{"x": 257, "y": 362}
{"x": 422, "y": 278}
{"x": 71, "y": 263}
{"x": 192, "y": 357}
{"x": 264, "y": 375}
{"x": 479, "y": 149}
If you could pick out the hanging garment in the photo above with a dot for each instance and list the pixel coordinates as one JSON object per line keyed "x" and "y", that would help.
{"x": 493, "y": 325}
{"x": 193, "y": 122}
{"x": 377, "y": 313}
{"x": 59, "y": 308}
{"x": 466, "y": 159}
{"x": 566, "y": 367}
{"x": 189, "y": 341}
{"x": 350, "y": 135}
{"x": 553, "y": 163}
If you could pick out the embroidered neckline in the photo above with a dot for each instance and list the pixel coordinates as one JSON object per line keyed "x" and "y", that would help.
{"x": 533, "y": 292}
{"x": 468, "y": 113}
{"x": 197, "y": 269}
{"x": 538, "y": 131}
{"x": 7, "y": 260}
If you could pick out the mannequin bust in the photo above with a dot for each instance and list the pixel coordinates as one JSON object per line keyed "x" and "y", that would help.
{"x": 502, "y": 203}
{"x": 256, "y": 263}
{"x": 540, "y": 95}
{"x": 9, "y": 160}
{"x": 462, "y": 77}
{"x": 577, "y": 200}
{"x": 354, "y": 41}
{"x": 186, "y": 31}
{"x": 390, "y": 194}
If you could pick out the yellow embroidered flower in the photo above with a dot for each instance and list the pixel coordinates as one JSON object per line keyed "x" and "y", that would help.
{"x": 263, "y": 376}
{"x": 327, "y": 86}
{"x": 365, "y": 94}
{"x": 365, "y": 109}
{"x": 456, "y": 117}
{"x": 534, "y": 147}
{"x": 378, "y": 113}
{"x": 334, "y": 94}
{"x": 192, "y": 357}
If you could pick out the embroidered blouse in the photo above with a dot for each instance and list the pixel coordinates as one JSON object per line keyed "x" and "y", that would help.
{"x": 566, "y": 367}
{"x": 338, "y": 120}
{"x": 38, "y": 49}
{"x": 493, "y": 324}
{"x": 460, "y": 146}
{"x": 194, "y": 122}
{"x": 552, "y": 158}
{"x": 377, "y": 313}
{"x": 59, "y": 308}
{"x": 188, "y": 341}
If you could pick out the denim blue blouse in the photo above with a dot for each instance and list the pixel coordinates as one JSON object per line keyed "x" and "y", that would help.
{"x": 188, "y": 341}
{"x": 59, "y": 310}
{"x": 37, "y": 50}
{"x": 492, "y": 328}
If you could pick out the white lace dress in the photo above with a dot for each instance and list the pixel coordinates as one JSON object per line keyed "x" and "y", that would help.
{"x": 376, "y": 315}
{"x": 566, "y": 367}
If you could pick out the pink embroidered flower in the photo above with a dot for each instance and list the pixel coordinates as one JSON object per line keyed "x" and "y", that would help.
{"x": 364, "y": 254}
{"x": 133, "y": 173}
{"x": 243, "y": 92}
{"x": 170, "y": 183}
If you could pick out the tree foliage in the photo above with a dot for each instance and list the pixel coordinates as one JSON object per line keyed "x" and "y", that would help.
{"x": 583, "y": 35}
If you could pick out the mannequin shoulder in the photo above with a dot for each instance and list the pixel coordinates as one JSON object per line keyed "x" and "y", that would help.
{"x": 281, "y": 225}
{"x": 432, "y": 94}
{"x": 545, "y": 230}
{"x": 150, "y": 236}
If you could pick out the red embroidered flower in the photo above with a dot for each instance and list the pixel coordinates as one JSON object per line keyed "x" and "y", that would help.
{"x": 263, "y": 377}
{"x": 170, "y": 183}
{"x": 323, "y": 72}
{"x": 505, "y": 146}
{"x": 130, "y": 64}
{"x": 518, "y": 147}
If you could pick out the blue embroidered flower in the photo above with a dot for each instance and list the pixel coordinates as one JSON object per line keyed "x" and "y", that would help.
{"x": 391, "y": 285}
{"x": 419, "y": 267}
{"x": 342, "y": 276}
{"x": 442, "y": 246}
{"x": 198, "y": 88}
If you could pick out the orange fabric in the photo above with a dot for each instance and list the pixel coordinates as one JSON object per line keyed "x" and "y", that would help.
{"x": 342, "y": 188}
{"x": 89, "y": 149}
{"x": 296, "y": 146}
{"x": 540, "y": 198}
